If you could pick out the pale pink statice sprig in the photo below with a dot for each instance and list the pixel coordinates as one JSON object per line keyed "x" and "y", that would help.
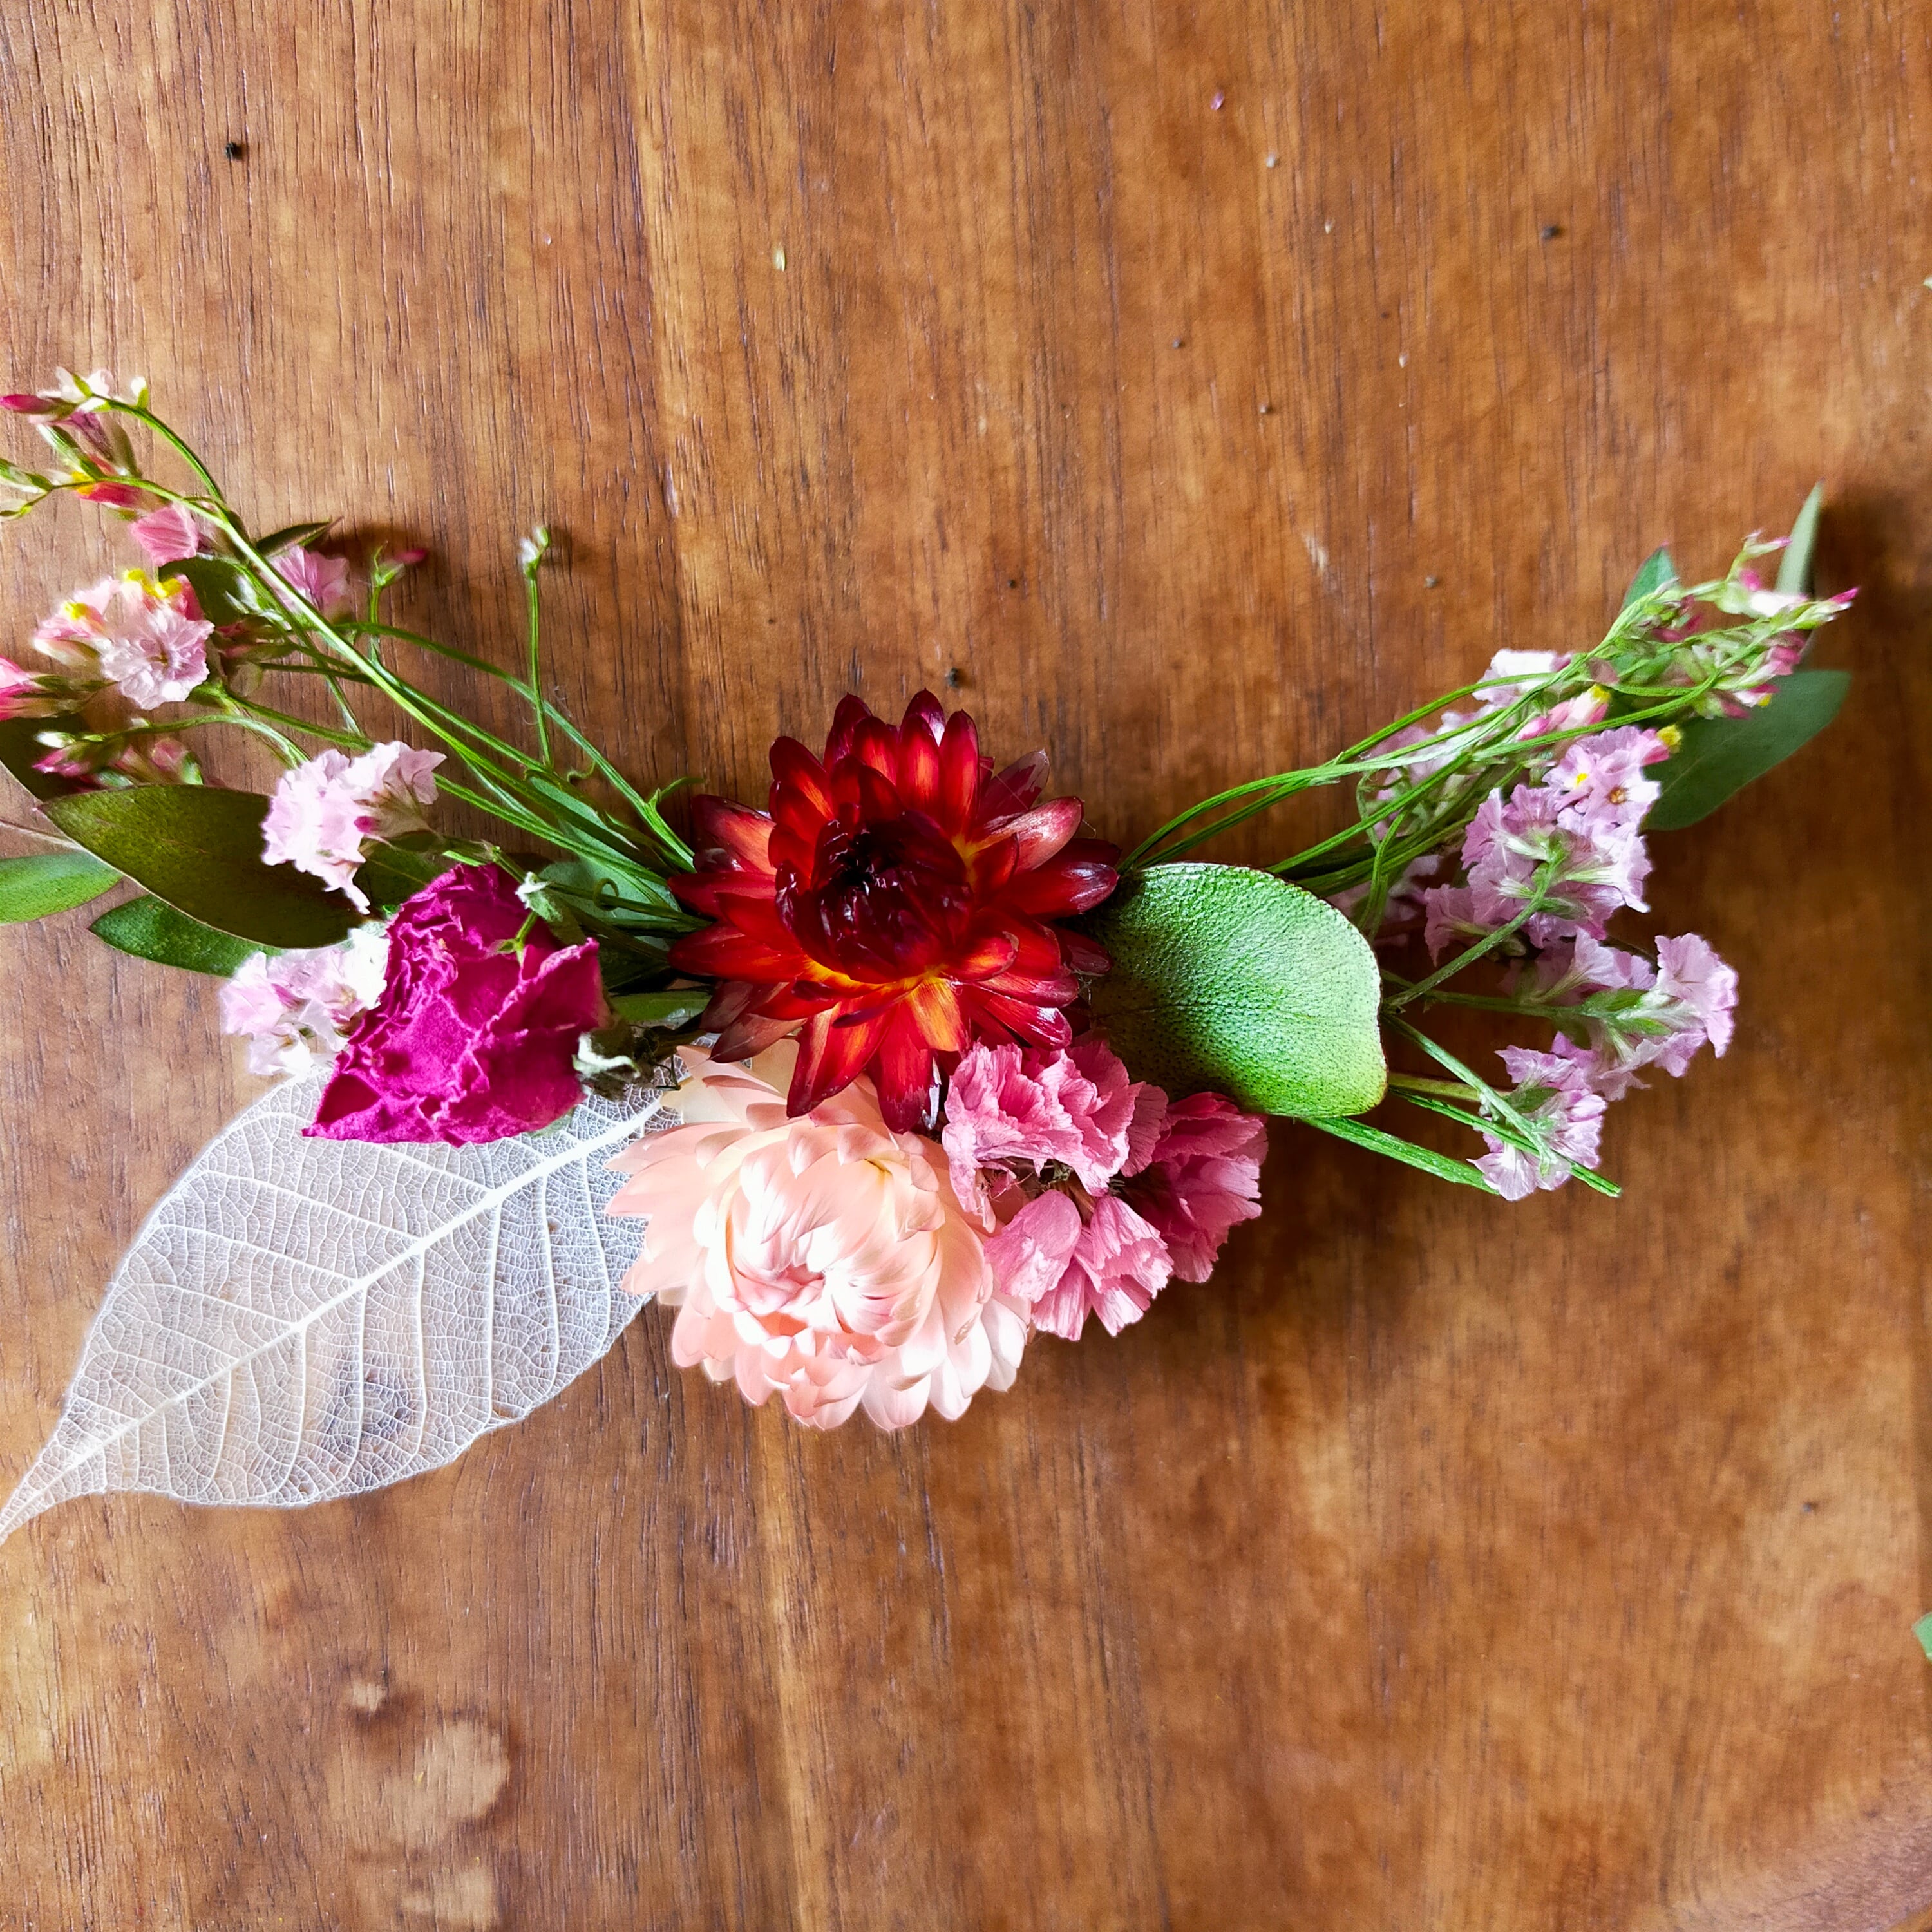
{"x": 1559, "y": 858}
{"x": 1638, "y": 1015}
{"x": 825, "y": 1260}
{"x": 1557, "y": 1099}
{"x": 1096, "y": 1190}
{"x": 297, "y": 1008}
{"x": 326, "y": 811}
{"x": 143, "y": 633}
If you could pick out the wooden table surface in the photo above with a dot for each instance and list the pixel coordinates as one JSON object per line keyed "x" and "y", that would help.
{"x": 1201, "y": 382}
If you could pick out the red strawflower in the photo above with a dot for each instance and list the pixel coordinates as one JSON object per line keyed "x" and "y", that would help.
{"x": 892, "y": 908}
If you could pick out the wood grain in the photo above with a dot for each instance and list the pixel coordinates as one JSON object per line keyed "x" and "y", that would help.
{"x": 1201, "y": 383}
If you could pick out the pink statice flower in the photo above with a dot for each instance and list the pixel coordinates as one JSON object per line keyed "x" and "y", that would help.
{"x": 143, "y": 633}
{"x": 1690, "y": 973}
{"x": 324, "y": 812}
{"x": 825, "y": 1260}
{"x": 1404, "y": 907}
{"x": 1095, "y": 1189}
{"x": 1556, "y": 1093}
{"x": 322, "y": 580}
{"x": 166, "y": 536}
{"x": 1638, "y": 1015}
{"x": 1574, "y": 838}
{"x": 1572, "y": 714}
{"x": 297, "y": 1008}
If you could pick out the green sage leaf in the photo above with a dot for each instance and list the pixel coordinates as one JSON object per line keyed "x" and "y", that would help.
{"x": 50, "y": 882}
{"x": 226, "y": 592}
{"x": 1720, "y": 756}
{"x": 199, "y": 848}
{"x": 150, "y": 929}
{"x": 1231, "y": 980}
{"x": 674, "y": 1009}
{"x": 1657, "y": 573}
{"x": 290, "y": 535}
{"x": 1794, "y": 567}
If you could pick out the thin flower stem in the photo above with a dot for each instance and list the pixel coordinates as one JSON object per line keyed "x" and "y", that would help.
{"x": 533, "y": 658}
{"x": 1487, "y": 944}
{"x": 1449, "y": 1089}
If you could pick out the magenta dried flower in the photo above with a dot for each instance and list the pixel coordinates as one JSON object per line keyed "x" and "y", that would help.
{"x": 476, "y": 1032}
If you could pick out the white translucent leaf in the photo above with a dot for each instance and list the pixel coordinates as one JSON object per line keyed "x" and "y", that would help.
{"x": 300, "y": 1319}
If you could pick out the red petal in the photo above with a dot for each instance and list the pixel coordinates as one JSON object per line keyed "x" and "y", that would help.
{"x": 1083, "y": 954}
{"x": 1040, "y": 1026}
{"x": 918, "y": 766}
{"x": 924, "y": 718}
{"x": 730, "y": 827}
{"x": 992, "y": 954}
{"x": 852, "y": 713}
{"x": 904, "y": 1073}
{"x": 1047, "y": 989}
{"x": 799, "y": 782}
{"x": 958, "y": 772}
{"x": 1076, "y": 881}
{"x": 723, "y": 952}
{"x": 935, "y": 1005}
{"x": 876, "y": 744}
{"x": 734, "y": 997}
{"x": 831, "y": 1056}
{"x": 1015, "y": 788}
{"x": 751, "y": 1034}
{"x": 1041, "y": 831}
{"x": 756, "y": 917}
{"x": 878, "y": 796}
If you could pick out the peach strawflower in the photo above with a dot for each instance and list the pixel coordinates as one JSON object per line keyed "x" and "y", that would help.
{"x": 824, "y": 1259}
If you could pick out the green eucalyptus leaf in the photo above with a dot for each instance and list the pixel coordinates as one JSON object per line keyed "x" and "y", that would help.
{"x": 391, "y": 874}
{"x": 1657, "y": 573}
{"x": 20, "y": 745}
{"x": 1794, "y": 567}
{"x": 1719, "y": 756}
{"x": 225, "y": 591}
{"x": 50, "y": 882}
{"x": 674, "y": 1009}
{"x": 1235, "y": 980}
{"x": 150, "y": 929}
{"x": 290, "y": 535}
{"x": 199, "y": 848}
{"x": 624, "y": 895}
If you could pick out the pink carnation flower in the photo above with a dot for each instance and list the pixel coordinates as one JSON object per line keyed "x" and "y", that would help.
{"x": 322, "y": 580}
{"x": 148, "y": 636}
{"x": 825, "y": 1260}
{"x": 166, "y": 536}
{"x": 1095, "y": 1189}
{"x": 296, "y": 1008}
{"x": 324, "y": 812}
{"x": 475, "y": 1035}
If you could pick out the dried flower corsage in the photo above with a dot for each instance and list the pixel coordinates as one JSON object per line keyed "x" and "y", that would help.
{"x": 872, "y": 1085}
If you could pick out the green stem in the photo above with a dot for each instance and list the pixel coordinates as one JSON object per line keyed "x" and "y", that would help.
{"x": 1487, "y": 944}
{"x": 1447, "y": 1089}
